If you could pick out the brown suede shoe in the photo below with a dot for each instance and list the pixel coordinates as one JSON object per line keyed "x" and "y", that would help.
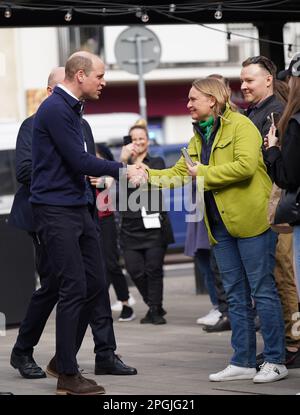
{"x": 51, "y": 370}
{"x": 77, "y": 385}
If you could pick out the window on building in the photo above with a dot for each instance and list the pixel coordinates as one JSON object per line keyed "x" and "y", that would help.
{"x": 72, "y": 39}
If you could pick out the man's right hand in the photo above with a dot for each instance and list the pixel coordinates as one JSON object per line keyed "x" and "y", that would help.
{"x": 136, "y": 174}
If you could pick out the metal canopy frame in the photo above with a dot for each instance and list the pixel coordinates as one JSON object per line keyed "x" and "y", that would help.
{"x": 268, "y": 15}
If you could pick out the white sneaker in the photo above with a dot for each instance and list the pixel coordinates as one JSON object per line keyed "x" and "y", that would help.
{"x": 118, "y": 306}
{"x": 131, "y": 300}
{"x": 232, "y": 372}
{"x": 270, "y": 372}
{"x": 211, "y": 318}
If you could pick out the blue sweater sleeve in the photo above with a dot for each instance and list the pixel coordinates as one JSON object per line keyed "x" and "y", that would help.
{"x": 68, "y": 140}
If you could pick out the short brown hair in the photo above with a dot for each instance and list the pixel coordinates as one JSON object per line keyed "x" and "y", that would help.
{"x": 263, "y": 62}
{"x": 78, "y": 62}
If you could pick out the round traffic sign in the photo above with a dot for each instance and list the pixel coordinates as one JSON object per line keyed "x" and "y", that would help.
{"x": 137, "y": 41}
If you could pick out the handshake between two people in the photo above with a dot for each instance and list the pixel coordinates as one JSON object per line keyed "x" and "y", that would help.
{"x": 137, "y": 173}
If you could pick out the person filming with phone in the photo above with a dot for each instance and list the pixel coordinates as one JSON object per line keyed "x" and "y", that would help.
{"x": 146, "y": 231}
{"x": 227, "y": 150}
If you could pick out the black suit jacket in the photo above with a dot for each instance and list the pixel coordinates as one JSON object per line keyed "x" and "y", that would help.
{"x": 21, "y": 212}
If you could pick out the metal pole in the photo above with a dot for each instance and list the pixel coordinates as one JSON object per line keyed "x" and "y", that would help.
{"x": 142, "y": 90}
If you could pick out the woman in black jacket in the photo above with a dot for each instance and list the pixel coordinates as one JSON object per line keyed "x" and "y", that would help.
{"x": 284, "y": 154}
{"x": 143, "y": 238}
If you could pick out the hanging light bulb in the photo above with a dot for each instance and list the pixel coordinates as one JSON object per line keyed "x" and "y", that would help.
{"x": 7, "y": 12}
{"x": 218, "y": 13}
{"x": 172, "y": 8}
{"x": 145, "y": 17}
{"x": 138, "y": 13}
{"x": 68, "y": 16}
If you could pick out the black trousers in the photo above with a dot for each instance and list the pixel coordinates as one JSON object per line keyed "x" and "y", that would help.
{"x": 145, "y": 267}
{"x": 109, "y": 243}
{"x": 70, "y": 265}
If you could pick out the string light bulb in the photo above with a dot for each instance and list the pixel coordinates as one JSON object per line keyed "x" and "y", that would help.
{"x": 172, "y": 8}
{"x": 68, "y": 16}
{"x": 145, "y": 17}
{"x": 218, "y": 13}
{"x": 138, "y": 13}
{"x": 7, "y": 12}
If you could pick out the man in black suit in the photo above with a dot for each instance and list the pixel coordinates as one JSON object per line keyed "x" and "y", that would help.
{"x": 45, "y": 298}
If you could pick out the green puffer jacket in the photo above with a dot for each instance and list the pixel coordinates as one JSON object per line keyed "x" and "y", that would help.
{"x": 236, "y": 175}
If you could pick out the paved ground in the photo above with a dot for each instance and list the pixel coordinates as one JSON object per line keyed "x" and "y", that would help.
{"x": 171, "y": 359}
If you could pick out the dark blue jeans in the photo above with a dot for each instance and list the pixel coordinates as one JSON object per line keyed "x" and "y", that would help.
{"x": 246, "y": 266}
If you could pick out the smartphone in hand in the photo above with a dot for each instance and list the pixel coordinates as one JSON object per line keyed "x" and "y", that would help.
{"x": 127, "y": 140}
{"x": 187, "y": 157}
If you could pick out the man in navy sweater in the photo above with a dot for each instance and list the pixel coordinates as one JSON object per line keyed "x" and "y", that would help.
{"x": 45, "y": 298}
{"x": 62, "y": 220}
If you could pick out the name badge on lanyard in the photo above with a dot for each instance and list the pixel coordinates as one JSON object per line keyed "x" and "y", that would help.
{"x": 150, "y": 221}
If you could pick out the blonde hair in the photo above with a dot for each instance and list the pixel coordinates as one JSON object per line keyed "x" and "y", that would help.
{"x": 141, "y": 124}
{"x": 216, "y": 89}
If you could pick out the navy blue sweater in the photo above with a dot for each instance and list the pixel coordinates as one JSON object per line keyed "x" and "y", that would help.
{"x": 59, "y": 160}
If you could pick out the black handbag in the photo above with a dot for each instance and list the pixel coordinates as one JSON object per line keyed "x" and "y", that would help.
{"x": 288, "y": 208}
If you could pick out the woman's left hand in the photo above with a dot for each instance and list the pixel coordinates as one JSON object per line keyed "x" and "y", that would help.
{"x": 271, "y": 140}
{"x": 192, "y": 170}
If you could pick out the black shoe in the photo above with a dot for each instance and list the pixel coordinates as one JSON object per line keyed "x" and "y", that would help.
{"x": 27, "y": 366}
{"x": 113, "y": 365}
{"x": 127, "y": 314}
{"x": 147, "y": 319}
{"x": 154, "y": 316}
{"x": 161, "y": 311}
{"x": 223, "y": 324}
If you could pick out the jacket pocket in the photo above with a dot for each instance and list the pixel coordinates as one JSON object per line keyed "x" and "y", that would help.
{"x": 224, "y": 142}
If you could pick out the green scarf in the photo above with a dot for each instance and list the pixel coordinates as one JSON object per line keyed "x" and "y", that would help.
{"x": 207, "y": 127}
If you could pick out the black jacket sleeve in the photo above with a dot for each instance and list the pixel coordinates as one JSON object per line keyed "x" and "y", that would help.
{"x": 284, "y": 164}
{"x": 23, "y": 152}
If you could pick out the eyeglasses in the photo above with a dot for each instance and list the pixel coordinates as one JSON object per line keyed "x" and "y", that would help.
{"x": 261, "y": 61}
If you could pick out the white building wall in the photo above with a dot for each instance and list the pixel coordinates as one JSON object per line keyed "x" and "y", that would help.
{"x": 9, "y": 108}
{"x": 26, "y": 58}
{"x": 38, "y": 54}
{"x": 178, "y": 129}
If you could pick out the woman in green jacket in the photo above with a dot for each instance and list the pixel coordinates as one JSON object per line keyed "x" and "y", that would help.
{"x": 226, "y": 150}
